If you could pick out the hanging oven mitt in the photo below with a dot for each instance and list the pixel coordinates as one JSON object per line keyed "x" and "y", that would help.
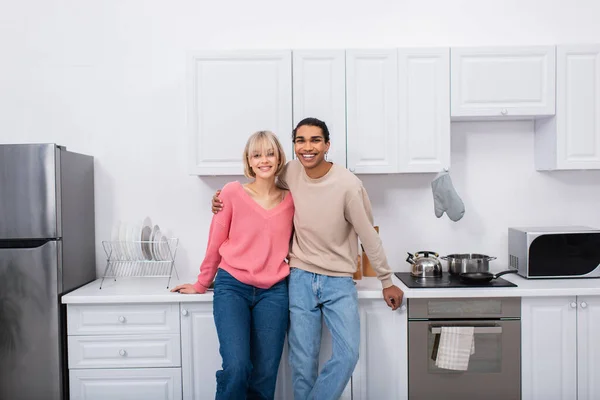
{"x": 445, "y": 197}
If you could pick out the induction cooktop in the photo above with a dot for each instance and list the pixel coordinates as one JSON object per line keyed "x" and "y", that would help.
{"x": 447, "y": 281}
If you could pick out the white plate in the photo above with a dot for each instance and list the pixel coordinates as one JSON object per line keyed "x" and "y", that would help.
{"x": 156, "y": 239}
{"x": 155, "y": 230}
{"x": 165, "y": 252}
{"x": 123, "y": 241}
{"x": 145, "y": 234}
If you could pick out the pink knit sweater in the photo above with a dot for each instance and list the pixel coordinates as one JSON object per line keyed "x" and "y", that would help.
{"x": 247, "y": 241}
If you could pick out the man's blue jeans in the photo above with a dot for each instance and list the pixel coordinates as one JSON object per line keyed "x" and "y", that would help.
{"x": 251, "y": 325}
{"x": 336, "y": 300}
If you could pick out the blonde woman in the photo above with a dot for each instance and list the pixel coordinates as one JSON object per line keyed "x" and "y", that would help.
{"x": 248, "y": 243}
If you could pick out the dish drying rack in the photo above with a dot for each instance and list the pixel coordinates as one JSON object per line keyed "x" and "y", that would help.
{"x": 140, "y": 258}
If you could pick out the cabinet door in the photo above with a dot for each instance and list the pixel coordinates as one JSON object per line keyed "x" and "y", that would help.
{"x": 372, "y": 107}
{"x": 424, "y": 109}
{"x": 571, "y": 140}
{"x": 588, "y": 348}
{"x": 503, "y": 81}
{"x": 549, "y": 348}
{"x": 125, "y": 384}
{"x": 382, "y": 370}
{"x": 200, "y": 358}
{"x": 320, "y": 91}
{"x": 232, "y": 95}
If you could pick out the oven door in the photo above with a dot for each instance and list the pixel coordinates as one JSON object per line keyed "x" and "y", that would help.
{"x": 494, "y": 370}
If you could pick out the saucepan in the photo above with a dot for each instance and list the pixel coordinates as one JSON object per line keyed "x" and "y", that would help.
{"x": 459, "y": 263}
{"x": 483, "y": 277}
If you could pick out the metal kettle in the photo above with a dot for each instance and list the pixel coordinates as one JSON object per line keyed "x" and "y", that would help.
{"x": 425, "y": 264}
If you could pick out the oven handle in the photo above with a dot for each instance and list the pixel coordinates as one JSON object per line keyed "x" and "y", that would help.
{"x": 478, "y": 330}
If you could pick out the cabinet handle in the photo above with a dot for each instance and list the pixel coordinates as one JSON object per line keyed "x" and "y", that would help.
{"x": 351, "y": 169}
{"x": 184, "y": 312}
{"x": 403, "y": 308}
{"x": 573, "y": 304}
{"x": 504, "y": 111}
{"x": 122, "y": 319}
{"x": 122, "y": 353}
{"x": 583, "y": 304}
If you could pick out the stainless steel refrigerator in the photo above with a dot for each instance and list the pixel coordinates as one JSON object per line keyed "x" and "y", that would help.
{"x": 46, "y": 250}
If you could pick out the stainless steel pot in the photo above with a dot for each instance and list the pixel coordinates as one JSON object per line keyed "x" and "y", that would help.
{"x": 462, "y": 263}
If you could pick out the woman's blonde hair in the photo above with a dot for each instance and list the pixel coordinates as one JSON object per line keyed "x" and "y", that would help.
{"x": 260, "y": 142}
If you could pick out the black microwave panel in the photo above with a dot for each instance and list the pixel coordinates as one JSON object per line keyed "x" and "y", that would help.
{"x": 564, "y": 254}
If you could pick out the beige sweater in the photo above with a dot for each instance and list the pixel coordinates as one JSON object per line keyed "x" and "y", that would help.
{"x": 332, "y": 212}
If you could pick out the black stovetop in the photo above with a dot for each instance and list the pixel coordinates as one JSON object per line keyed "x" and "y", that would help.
{"x": 447, "y": 281}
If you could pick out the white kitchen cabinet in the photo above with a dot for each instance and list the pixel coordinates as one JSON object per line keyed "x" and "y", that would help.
{"x": 124, "y": 351}
{"x": 588, "y": 348}
{"x": 398, "y": 110}
{"x": 200, "y": 358}
{"x": 503, "y": 82}
{"x": 560, "y": 350}
{"x": 125, "y": 384}
{"x": 571, "y": 139}
{"x": 233, "y": 94}
{"x": 372, "y": 110}
{"x": 319, "y": 91}
{"x": 382, "y": 370}
{"x": 424, "y": 110}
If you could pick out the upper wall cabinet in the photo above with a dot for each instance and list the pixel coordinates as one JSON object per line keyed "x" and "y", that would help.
{"x": 424, "y": 110}
{"x": 503, "y": 82}
{"x": 571, "y": 140}
{"x": 398, "y": 110}
{"x": 372, "y": 107}
{"x": 232, "y": 95}
{"x": 319, "y": 78}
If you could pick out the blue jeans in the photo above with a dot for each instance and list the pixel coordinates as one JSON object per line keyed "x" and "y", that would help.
{"x": 334, "y": 298}
{"x": 251, "y": 325}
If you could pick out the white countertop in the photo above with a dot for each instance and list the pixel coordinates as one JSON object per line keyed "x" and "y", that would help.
{"x": 154, "y": 290}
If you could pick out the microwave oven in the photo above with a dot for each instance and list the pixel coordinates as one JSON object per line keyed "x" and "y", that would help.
{"x": 555, "y": 252}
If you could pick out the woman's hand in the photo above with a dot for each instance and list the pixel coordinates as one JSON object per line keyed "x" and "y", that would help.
{"x": 186, "y": 288}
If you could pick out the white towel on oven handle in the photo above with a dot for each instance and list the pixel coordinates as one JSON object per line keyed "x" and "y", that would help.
{"x": 455, "y": 348}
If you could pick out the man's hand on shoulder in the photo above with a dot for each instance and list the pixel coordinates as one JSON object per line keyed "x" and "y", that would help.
{"x": 393, "y": 296}
{"x": 217, "y": 204}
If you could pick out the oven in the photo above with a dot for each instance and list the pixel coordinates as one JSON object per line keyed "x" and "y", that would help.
{"x": 494, "y": 369}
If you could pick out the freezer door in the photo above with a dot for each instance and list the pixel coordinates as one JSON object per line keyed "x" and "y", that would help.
{"x": 31, "y": 347}
{"x": 28, "y": 191}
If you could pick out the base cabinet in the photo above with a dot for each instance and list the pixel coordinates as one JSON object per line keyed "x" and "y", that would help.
{"x": 560, "y": 350}
{"x": 125, "y": 384}
{"x": 114, "y": 358}
{"x": 382, "y": 369}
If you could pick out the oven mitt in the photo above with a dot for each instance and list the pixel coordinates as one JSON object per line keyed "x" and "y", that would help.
{"x": 445, "y": 197}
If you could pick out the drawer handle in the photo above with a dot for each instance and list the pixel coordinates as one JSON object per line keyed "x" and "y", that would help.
{"x": 122, "y": 319}
{"x": 504, "y": 111}
{"x": 122, "y": 353}
{"x": 477, "y": 330}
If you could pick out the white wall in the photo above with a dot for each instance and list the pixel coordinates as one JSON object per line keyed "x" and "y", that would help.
{"x": 107, "y": 78}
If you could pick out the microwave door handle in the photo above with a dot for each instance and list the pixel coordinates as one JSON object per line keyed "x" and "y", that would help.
{"x": 477, "y": 330}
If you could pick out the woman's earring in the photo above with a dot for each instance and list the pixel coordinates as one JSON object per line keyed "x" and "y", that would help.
{"x": 326, "y": 156}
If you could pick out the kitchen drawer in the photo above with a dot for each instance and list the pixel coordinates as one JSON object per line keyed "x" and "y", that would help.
{"x": 125, "y": 384}
{"x": 116, "y": 319}
{"x": 128, "y": 351}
